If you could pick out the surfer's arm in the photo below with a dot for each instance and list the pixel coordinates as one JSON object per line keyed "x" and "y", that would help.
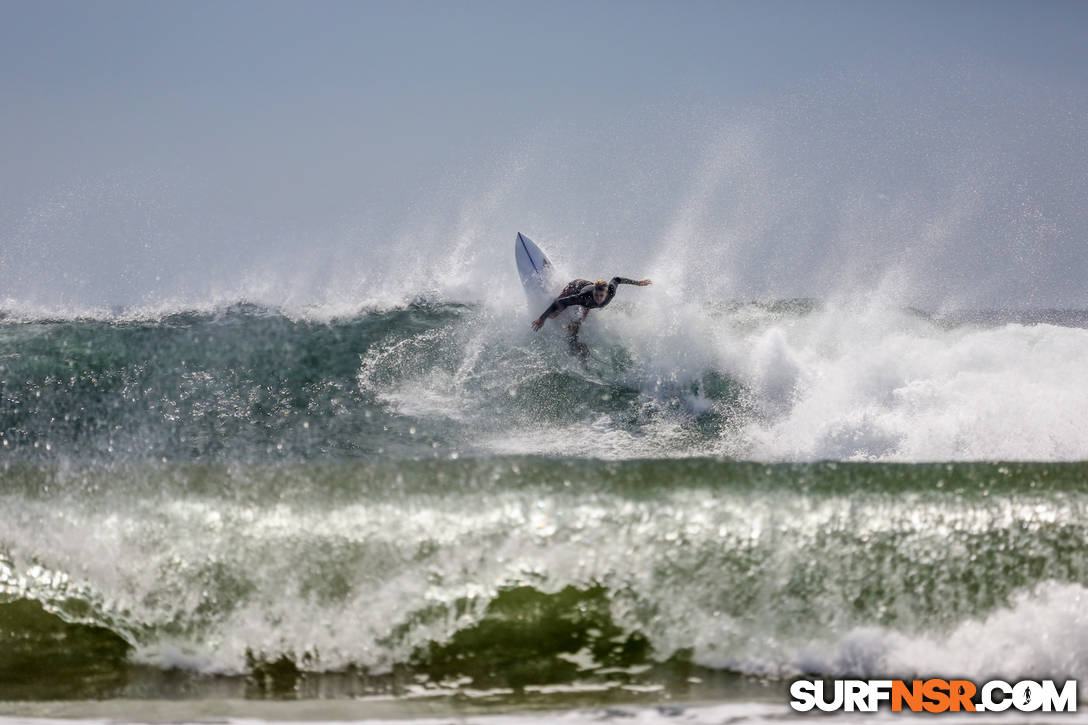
{"x": 560, "y": 303}
{"x": 624, "y": 280}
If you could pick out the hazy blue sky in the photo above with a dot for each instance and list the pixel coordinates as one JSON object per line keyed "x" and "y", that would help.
{"x": 320, "y": 150}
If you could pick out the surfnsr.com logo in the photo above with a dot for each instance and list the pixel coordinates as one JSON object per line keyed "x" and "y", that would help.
{"x": 933, "y": 695}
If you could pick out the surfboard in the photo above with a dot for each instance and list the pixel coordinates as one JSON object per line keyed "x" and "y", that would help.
{"x": 536, "y": 272}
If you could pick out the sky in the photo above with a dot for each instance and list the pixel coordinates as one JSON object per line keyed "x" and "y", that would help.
{"x": 314, "y": 152}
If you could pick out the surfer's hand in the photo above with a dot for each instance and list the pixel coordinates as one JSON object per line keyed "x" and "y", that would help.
{"x": 538, "y": 323}
{"x": 644, "y": 283}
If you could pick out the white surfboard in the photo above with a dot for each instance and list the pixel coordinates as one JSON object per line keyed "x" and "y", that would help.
{"x": 536, "y": 272}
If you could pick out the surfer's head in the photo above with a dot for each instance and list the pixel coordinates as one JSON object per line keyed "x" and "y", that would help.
{"x": 600, "y": 291}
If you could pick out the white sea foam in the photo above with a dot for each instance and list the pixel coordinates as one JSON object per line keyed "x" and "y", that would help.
{"x": 1043, "y": 633}
{"x": 843, "y": 382}
{"x": 878, "y": 387}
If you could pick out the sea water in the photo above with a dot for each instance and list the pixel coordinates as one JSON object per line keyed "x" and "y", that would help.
{"x": 424, "y": 508}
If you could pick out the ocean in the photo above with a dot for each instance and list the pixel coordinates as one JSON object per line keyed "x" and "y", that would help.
{"x": 424, "y": 510}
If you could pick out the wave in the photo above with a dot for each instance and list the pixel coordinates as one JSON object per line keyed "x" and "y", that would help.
{"x": 783, "y": 381}
{"x": 514, "y": 573}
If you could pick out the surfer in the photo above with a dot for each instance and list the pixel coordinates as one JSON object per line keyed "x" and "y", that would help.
{"x": 587, "y": 295}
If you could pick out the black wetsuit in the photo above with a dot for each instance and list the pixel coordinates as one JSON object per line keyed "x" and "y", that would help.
{"x": 579, "y": 292}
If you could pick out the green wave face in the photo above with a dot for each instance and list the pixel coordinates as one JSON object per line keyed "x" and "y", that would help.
{"x": 46, "y": 656}
{"x": 248, "y": 384}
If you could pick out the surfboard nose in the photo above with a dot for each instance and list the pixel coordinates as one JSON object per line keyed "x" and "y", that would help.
{"x": 523, "y": 242}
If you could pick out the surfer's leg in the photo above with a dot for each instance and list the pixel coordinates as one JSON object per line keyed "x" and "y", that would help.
{"x": 577, "y": 348}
